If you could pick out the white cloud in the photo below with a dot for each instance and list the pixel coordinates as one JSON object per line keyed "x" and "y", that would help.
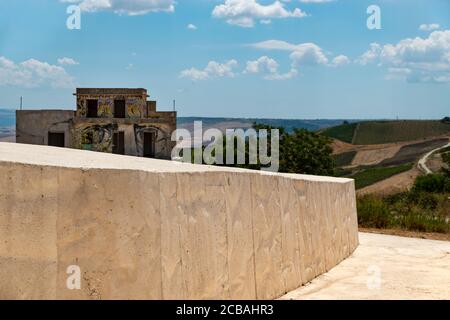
{"x": 129, "y": 7}
{"x": 212, "y": 70}
{"x": 303, "y": 54}
{"x": 268, "y": 67}
{"x": 308, "y": 54}
{"x": 429, "y": 27}
{"x": 340, "y": 60}
{"x": 191, "y": 26}
{"x": 263, "y": 64}
{"x": 397, "y": 73}
{"x": 370, "y": 55}
{"x": 285, "y": 76}
{"x": 316, "y": 1}
{"x": 243, "y": 13}
{"x": 216, "y": 69}
{"x": 275, "y": 45}
{"x": 428, "y": 59}
{"x": 33, "y": 73}
{"x": 194, "y": 74}
{"x": 67, "y": 61}
{"x": 417, "y": 76}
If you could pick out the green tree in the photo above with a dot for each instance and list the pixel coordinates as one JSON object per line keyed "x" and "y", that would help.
{"x": 446, "y": 168}
{"x": 303, "y": 152}
{"x": 306, "y": 152}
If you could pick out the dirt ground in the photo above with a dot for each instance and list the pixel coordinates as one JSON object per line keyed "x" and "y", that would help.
{"x": 375, "y": 156}
{"x": 395, "y": 184}
{"x": 341, "y": 146}
{"x": 435, "y": 162}
{"x": 409, "y": 234}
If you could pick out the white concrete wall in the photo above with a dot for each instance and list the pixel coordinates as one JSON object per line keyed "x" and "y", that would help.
{"x": 149, "y": 229}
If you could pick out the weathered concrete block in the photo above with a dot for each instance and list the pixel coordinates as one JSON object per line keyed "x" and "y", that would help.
{"x": 150, "y": 229}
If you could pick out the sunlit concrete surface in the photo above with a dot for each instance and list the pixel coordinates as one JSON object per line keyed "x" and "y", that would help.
{"x": 407, "y": 268}
{"x": 139, "y": 228}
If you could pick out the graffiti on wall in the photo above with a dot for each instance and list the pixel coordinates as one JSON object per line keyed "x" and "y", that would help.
{"x": 135, "y": 107}
{"x": 81, "y": 107}
{"x": 94, "y": 137}
{"x": 162, "y": 142}
{"x": 105, "y": 107}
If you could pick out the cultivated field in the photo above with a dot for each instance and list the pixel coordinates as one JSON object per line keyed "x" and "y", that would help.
{"x": 344, "y": 132}
{"x": 386, "y": 166}
{"x": 372, "y": 152}
{"x": 411, "y": 152}
{"x": 376, "y": 132}
{"x": 381, "y": 132}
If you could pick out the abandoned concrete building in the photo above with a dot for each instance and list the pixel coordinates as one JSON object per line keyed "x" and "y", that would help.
{"x": 119, "y": 121}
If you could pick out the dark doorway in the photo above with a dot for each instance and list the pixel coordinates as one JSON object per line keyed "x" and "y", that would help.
{"x": 92, "y": 108}
{"x": 56, "y": 139}
{"x": 149, "y": 145}
{"x": 119, "y": 143}
{"x": 119, "y": 108}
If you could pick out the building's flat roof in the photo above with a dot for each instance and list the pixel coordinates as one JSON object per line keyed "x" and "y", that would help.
{"x": 45, "y": 110}
{"x": 100, "y": 91}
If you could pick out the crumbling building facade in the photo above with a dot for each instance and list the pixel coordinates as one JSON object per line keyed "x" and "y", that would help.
{"x": 120, "y": 121}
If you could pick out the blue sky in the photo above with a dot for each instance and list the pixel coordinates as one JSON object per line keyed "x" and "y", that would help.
{"x": 234, "y": 58}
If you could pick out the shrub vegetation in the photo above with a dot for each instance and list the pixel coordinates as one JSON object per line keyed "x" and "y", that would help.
{"x": 425, "y": 208}
{"x": 344, "y": 159}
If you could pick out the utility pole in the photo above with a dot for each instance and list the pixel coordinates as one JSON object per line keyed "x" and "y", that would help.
{"x": 21, "y": 102}
{"x": 174, "y": 105}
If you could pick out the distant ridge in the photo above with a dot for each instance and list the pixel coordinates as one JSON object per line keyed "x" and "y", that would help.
{"x": 7, "y": 118}
{"x": 288, "y": 124}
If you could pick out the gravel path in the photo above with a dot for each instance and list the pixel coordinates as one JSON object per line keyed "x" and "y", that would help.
{"x": 424, "y": 159}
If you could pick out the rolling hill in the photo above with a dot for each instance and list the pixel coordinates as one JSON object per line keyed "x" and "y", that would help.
{"x": 381, "y": 132}
{"x": 374, "y": 151}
